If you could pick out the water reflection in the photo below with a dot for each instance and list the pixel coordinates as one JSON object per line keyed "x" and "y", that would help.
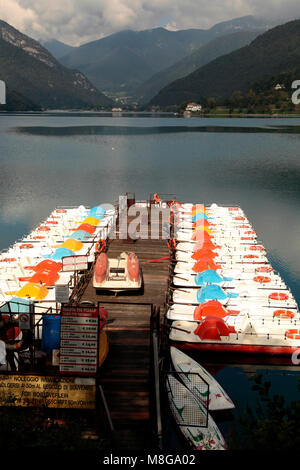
{"x": 130, "y": 130}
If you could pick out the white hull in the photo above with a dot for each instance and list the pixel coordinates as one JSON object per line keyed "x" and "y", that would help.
{"x": 184, "y": 365}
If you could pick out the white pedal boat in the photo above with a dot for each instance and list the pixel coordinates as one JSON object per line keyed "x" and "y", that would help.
{"x": 185, "y": 365}
{"x": 222, "y": 256}
{"x": 233, "y": 297}
{"x": 221, "y": 337}
{"x": 232, "y": 278}
{"x": 184, "y": 405}
{"x": 259, "y": 314}
{"x": 248, "y": 265}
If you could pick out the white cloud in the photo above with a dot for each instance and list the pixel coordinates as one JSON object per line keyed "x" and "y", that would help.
{"x": 79, "y": 21}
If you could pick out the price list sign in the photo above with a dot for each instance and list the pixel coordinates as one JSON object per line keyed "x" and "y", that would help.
{"x": 79, "y": 340}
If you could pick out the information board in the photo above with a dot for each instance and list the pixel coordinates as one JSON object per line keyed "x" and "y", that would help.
{"x": 74, "y": 263}
{"x": 79, "y": 340}
{"x": 49, "y": 391}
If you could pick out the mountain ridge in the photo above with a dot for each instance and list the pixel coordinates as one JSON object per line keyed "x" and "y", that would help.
{"x": 151, "y": 51}
{"x": 275, "y": 51}
{"x": 205, "y": 54}
{"x": 30, "y": 70}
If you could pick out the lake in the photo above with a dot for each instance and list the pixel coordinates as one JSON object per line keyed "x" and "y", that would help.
{"x": 64, "y": 159}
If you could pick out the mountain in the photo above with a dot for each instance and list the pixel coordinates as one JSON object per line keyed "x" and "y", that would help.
{"x": 17, "y": 102}
{"x": 30, "y": 70}
{"x": 122, "y": 61}
{"x": 205, "y": 54}
{"x": 273, "y": 52}
{"x": 57, "y": 48}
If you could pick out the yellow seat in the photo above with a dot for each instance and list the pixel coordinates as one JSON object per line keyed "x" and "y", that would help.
{"x": 33, "y": 290}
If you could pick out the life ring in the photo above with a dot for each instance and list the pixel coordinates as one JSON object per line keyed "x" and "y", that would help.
{"x": 172, "y": 244}
{"x": 26, "y": 245}
{"x": 13, "y": 337}
{"x": 264, "y": 269}
{"x": 38, "y": 237}
{"x": 100, "y": 246}
{"x": 292, "y": 334}
{"x": 261, "y": 279}
{"x": 251, "y": 256}
{"x": 61, "y": 211}
{"x": 283, "y": 314}
{"x": 43, "y": 229}
{"x": 52, "y": 222}
{"x": 156, "y": 198}
{"x": 176, "y": 204}
{"x": 239, "y": 218}
{"x": 250, "y": 232}
{"x": 247, "y": 238}
{"x": 8, "y": 260}
{"x": 256, "y": 248}
{"x": 278, "y": 296}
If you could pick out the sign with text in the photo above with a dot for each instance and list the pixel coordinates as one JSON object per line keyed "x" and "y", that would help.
{"x": 79, "y": 340}
{"x": 74, "y": 263}
{"x": 62, "y": 293}
{"x": 49, "y": 391}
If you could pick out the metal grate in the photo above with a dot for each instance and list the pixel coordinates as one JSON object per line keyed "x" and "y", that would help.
{"x": 187, "y": 409}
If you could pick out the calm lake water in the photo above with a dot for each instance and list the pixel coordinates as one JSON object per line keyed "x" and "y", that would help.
{"x": 52, "y": 160}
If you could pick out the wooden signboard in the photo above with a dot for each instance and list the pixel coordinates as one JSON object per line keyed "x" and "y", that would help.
{"x": 49, "y": 391}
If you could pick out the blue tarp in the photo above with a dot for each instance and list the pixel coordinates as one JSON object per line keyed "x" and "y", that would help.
{"x": 213, "y": 292}
{"x": 210, "y": 277}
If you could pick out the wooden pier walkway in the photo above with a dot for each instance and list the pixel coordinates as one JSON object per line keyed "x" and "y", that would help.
{"x": 124, "y": 376}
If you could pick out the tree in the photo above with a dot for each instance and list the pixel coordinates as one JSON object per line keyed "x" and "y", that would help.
{"x": 274, "y": 424}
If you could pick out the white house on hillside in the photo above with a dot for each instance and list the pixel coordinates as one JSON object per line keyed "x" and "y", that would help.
{"x": 193, "y": 107}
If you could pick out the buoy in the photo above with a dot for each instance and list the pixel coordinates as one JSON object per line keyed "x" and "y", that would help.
{"x": 261, "y": 279}
{"x": 283, "y": 314}
{"x": 174, "y": 206}
{"x": 278, "y": 296}
{"x": 264, "y": 269}
{"x": 100, "y": 246}
{"x": 292, "y": 334}
{"x": 256, "y": 248}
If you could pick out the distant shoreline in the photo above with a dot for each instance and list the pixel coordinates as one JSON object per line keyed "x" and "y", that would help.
{"x": 144, "y": 114}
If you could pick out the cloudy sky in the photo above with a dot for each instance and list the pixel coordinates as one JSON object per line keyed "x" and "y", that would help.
{"x": 79, "y": 21}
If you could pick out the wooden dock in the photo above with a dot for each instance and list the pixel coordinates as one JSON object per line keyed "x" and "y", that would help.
{"x": 125, "y": 375}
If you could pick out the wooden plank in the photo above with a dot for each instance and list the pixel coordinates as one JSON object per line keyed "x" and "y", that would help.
{"x": 125, "y": 373}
